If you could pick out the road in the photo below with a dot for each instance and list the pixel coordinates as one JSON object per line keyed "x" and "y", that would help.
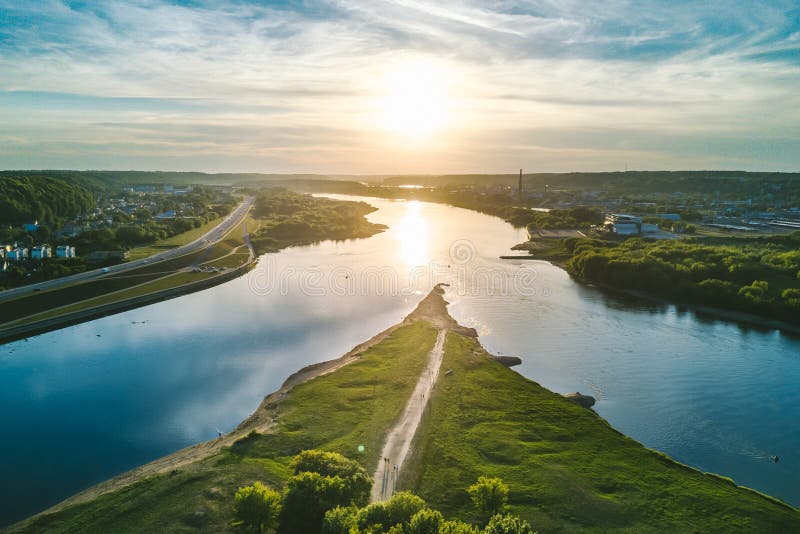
{"x": 398, "y": 442}
{"x": 212, "y": 237}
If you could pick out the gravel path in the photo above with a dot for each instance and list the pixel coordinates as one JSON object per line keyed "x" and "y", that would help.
{"x": 398, "y": 442}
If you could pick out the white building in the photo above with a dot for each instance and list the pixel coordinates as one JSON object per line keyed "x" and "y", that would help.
{"x": 621, "y": 224}
{"x": 17, "y": 254}
{"x": 65, "y": 251}
{"x": 41, "y": 252}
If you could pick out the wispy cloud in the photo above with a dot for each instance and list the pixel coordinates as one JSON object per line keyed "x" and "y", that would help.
{"x": 292, "y": 85}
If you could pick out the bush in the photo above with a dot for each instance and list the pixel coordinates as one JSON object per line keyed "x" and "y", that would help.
{"x": 425, "y": 521}
{"x": 508, "y": 524}
{"x": 339, "y": 520}
{"x": 323, "y": 481}
{"x": 489, "y": 495}
{"x": 257, "y": 506}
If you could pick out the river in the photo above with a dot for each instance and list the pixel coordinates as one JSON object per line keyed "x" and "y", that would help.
{"x": 84, "y": 403}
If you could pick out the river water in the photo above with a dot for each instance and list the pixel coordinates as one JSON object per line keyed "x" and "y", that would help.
{"x": 87, "y": 402}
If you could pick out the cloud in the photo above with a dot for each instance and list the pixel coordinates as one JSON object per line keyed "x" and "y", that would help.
{"x": 293, "y": 85}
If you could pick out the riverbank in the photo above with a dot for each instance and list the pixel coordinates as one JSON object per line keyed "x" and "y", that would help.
{"x": 213, "y": 259}
{"x": 568, "y": 470}
{"x": 554, "y": 253}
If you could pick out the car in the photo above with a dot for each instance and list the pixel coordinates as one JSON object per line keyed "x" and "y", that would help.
{"x": 106, "y": 269}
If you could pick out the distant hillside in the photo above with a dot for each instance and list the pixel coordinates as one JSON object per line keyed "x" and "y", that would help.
{"x": 632, "y": 181}
{"x": 100, "y": 180}
{"x": 25, "y": 198}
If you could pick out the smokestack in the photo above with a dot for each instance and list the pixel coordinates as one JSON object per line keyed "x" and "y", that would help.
{"x": 519, "y": 189}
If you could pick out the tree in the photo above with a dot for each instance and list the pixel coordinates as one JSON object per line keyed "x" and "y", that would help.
{"x": 425, "y": 521}
{"x": 489, "y": 495}
{"x": 508, "y": 524}
{"x": 457, "y": 527}
{"x": 332, "y": 464}
{"x": 339, "y": 520}
{"x": 257, "y": 506}
{"x": 322, "y": 482}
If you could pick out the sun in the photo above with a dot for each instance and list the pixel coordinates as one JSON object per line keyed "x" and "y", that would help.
{"x": 415, "y": 101}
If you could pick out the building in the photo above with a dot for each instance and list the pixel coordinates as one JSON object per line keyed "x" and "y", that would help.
{"x": 41, "y": 252}
{"x": 71, "y": 230}
{"x": 31, "y": 227}
{"x": 621, "y": 224}
{"x": 65, "y": 251}
{"x": 17, "y": 254}
{"x": 169, "y": 214}
{"x": 670, "y": 216}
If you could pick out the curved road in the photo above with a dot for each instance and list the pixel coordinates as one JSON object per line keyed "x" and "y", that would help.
{"x": 202, "y": 242}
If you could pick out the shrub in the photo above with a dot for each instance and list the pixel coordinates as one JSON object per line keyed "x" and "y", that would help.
{"x": 489, "y": 496}
{"x": 257, "y": 506}
{"x": 508, "y": 524}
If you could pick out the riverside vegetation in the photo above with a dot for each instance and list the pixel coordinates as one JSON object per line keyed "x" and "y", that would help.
{"x": 279, "y": 219}
{"x": 758, "y": 275}
{"x": 565, "y": 468}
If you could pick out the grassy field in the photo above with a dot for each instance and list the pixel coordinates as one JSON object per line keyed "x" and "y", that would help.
{"x": 174, "y": 241}
{"x": 354, "y": 406}
{"x": 115, "y": 287}
{"x": 159, "y": 284}
{"x": 567, "y": 469}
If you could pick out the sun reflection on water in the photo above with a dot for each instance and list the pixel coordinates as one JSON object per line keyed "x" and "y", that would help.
{"x": 413, "y": 234}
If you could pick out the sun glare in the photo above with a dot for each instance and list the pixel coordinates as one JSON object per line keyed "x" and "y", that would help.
{"x": 415, "y": 101}
{"x": 412, "y": 233}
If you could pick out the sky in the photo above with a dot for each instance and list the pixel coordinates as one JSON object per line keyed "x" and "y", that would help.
{"x": 400, "y": 86}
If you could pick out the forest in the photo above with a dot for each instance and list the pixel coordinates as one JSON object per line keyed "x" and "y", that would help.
{"x": 25, "y": 199}
{"x": 286, "y": 216}
{"x": 755, "y": 275}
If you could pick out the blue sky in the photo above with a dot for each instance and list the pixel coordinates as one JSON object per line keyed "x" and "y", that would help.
{"x": 400, "y": 86}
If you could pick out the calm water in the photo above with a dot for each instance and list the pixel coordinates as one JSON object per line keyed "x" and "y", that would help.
{"x": 90, "y": 401}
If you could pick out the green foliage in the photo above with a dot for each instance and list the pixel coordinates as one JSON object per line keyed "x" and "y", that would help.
{"x": 457, "y": 527}
{"x": 257, "y": 506}
{"x": 425, "y": 521}
{"x": 339, "y": 520}
{"x": 747, "y": 274}
{"x": 331, "y": 464}
{"x": 322, "y": 481}
{"x": 396, "y": 511}
{"x": 489, "y": 495}
{"x": 286, "y": 215}
{"x": 508, "y": 524}
{"x": 580, "y": 217}
{"x": 24, "y": 199}
{"x": 567, "y": 469}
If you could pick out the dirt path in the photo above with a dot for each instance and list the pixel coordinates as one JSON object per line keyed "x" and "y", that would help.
{"x": 432, "y": 309}
{"x": 399, "y": 439}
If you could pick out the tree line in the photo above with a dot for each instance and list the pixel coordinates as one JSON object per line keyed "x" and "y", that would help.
{"x": 756, "y": 275}
{"x": 327, "y": 493}
{"x": 25, "y": 199}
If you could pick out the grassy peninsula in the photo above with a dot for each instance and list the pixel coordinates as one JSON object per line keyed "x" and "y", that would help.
{"x": 567, "y": 470}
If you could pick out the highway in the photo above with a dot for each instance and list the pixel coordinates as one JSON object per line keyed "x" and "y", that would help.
{"x": 212, "y": 237}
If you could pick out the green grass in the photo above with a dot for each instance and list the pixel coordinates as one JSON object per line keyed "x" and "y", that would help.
{"x": 173, "y": 242}
{"x": 567, "y": 469}
{"x": 166, "y": 282}
{"x": 354, "y": 406}
{"x": 231, "y": 261}
{"x": 113, "y": 287}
